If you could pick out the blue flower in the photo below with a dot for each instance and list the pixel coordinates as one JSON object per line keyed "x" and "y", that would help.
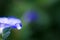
{"x": 10, "y": 22}
{"x": 31, "y": 16}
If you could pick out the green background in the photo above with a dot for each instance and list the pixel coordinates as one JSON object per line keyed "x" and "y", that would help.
{"x": 47, "y": 27}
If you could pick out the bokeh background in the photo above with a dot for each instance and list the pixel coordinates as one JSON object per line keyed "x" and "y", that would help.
{"x": 40, "y": 18}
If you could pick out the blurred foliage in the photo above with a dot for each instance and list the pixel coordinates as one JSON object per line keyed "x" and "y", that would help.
{"x": 46, "y": 28}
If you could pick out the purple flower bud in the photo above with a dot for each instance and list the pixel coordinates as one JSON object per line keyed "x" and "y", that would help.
{"x": 31, "y": 16}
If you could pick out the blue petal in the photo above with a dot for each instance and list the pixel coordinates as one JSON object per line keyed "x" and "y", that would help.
{"x": 20, "y": 24}
{"x": 13, "y": 27}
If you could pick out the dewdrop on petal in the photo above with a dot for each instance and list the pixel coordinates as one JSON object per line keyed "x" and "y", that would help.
{"x": 9, "y": 22}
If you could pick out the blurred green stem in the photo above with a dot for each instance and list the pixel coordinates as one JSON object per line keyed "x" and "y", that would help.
{"x": 1, "y": 37}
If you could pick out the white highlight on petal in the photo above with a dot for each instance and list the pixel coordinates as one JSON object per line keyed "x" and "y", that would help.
{"x": 1, "y": 30}
{"x": 18, "y": 26}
